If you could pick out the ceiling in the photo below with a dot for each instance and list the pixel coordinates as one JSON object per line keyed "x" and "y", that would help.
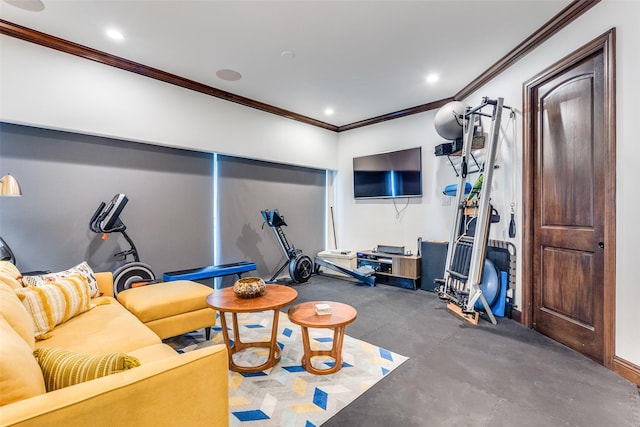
{"x": 361, "y": 58}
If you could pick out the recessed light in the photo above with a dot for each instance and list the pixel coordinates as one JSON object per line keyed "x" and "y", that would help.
{"x": 228, "y": 75}
{"x": 328, "y": 111}
{"x": 29, "y": 5}
{"x": 114, "y": 34}
{"x": 432, "y": 78}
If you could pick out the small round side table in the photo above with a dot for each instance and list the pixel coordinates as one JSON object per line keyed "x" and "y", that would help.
{"x": 225, "y": 301}
{"x": 305, "y": 315}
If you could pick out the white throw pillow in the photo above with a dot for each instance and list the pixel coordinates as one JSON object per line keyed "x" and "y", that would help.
{"x": 82, "y": 269}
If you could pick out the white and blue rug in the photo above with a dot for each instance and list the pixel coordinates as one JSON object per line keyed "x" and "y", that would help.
{"x": 286, "y": 394}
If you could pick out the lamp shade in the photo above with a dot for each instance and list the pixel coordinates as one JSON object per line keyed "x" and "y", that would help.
{"x": 9, "y": 186}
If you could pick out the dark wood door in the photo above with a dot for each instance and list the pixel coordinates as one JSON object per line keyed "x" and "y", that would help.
{"x": 569, "y": 206}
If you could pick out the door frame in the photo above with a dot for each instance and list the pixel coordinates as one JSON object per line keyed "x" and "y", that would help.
{"x": 606, "y": 44}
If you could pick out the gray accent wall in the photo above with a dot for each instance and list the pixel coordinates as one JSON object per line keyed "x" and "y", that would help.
{"x": 245, "y": 187}
{"x": 64, "y": 177}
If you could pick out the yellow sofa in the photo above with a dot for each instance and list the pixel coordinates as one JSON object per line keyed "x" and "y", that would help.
{"x": 166, "y": 389}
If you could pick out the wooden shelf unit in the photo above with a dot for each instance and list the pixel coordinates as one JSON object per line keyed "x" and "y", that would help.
{"x": 391, "y": 269}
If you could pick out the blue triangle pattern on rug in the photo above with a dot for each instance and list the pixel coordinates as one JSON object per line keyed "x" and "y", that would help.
{"x": 287, "y": 395}
{"x": 253, "y": 374}
{"x": 253, "y": 326}
{"x": 386, "y": 354}
{"x": 320, "y": 398}
{"x": 332, "y": 363}
{"x": 253, "y": 415}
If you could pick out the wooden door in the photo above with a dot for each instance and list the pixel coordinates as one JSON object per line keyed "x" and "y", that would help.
{"x": 570, "y": 227}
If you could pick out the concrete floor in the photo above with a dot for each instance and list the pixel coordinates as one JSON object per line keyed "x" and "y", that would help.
{"x": 462, "y": 375}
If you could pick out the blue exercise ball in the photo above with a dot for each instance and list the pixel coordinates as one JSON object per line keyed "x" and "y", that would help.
{"x": 490, "y": 285}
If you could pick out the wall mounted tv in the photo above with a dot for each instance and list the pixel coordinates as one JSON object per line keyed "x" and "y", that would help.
{"x": 388, "y": 175}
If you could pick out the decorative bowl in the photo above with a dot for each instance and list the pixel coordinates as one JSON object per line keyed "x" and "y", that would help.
{"x": 249, "y": 287}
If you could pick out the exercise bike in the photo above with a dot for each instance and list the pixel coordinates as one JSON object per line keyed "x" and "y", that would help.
{"x": 106, "y": 220}
{"x": 300, "y": 265}
{"x": 5, "y": 252}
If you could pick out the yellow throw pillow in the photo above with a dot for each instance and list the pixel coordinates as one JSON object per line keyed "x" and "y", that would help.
{"x": 62, "y": 368}
{"x": 82, "y": 269}
{"x": 55, "y": 302}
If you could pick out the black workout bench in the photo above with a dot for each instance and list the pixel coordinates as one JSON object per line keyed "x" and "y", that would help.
{"x": 210, "y": 271}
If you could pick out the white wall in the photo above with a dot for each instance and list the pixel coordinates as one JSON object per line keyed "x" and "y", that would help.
{"x": 366, "y": 224}
{"x": 45, "y": 88}
{"x": 363, "y": 224}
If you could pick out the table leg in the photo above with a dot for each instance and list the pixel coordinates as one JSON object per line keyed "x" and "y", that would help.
{"x": 338, "y": 338}
{"x": 238, "y": 345}
{"x": 236, "y": 329}
{"x": 225, "y": 336}
{"x": 306, "y": 355}
{"x": 335, "y": 352}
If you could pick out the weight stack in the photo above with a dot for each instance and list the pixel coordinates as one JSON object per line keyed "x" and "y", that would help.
{"x": 434, "y": 256}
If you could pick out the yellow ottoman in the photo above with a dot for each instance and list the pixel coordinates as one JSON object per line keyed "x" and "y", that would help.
{"x": 171, "y": 308}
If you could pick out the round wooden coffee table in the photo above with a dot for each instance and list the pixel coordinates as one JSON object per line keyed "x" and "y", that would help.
{"x": 305, "y": 315}
{"x": 225, "y": 301}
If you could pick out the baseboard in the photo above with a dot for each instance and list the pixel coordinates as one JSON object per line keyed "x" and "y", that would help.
{"x": 626, "y": 369}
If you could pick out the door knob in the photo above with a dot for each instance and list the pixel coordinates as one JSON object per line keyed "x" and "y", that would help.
{"x": 601, "y": 245}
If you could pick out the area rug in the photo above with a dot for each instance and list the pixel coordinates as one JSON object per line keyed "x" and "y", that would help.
{"x": 287, "y": 395}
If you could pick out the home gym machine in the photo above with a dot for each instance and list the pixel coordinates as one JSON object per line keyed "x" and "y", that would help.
{"x": 300, "y": 265}
{"x": 463, "y": 275}
{"x": 106, "y": 220}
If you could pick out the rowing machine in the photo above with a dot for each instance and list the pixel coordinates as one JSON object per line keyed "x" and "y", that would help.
{"x": 300, "y": 265}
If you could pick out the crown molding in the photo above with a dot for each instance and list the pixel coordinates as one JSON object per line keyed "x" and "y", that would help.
{"x": 396, "y": 115}
{"x": 56, "y": 43}
{"x": 544, "y": 33}
{"x": 555, "y": 24}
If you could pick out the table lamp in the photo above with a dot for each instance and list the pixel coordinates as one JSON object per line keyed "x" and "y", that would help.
{"x": 9, "y": 186}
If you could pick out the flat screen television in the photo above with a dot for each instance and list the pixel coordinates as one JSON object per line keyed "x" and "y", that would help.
{"x": 388, "y": 175}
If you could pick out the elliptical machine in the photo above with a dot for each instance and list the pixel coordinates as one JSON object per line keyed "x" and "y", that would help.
{"x": 106, "y": 220}
{"x": 300, "y": 265}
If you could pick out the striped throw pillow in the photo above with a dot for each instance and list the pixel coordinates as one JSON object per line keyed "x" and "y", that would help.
{"x": 56, "y": 302}
{"x": 82, "y": 269}
{"x": 62, "y": 368}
